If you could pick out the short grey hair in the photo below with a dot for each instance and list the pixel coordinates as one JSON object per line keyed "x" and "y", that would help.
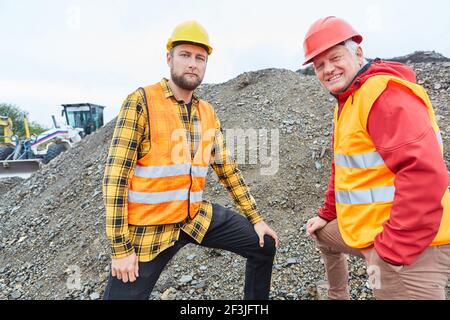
{"x": 352, "y": 47}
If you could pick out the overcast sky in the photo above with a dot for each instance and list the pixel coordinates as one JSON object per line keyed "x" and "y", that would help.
{"x": 54, "y": 52}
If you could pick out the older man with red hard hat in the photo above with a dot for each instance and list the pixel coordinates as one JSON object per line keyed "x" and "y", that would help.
{"x": 387, "y": 198}
{"x": 164, "y": 141}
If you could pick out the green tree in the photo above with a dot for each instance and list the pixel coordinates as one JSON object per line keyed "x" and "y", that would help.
{"x": 36, "y": 128}
{"x": 17, "y": 116}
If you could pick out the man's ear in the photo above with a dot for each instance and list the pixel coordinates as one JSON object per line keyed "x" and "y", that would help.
{"x": 169, "y": 58}
{"x": 360, "y": 55}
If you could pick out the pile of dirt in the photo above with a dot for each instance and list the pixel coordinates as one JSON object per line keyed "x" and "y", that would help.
{"x": 416, "y": 57}
{"x": 421, "y": 57}
{"x": 52, "y": 224}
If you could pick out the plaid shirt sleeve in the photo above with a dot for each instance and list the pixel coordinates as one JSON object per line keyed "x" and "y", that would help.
{"x": 122, "y": 157}
{"x": 231, "y": 177}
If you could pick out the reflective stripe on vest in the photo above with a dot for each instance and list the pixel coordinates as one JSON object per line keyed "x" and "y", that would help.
{"x": 382, "y": 194}
{"x": 163, "y": 197}
{"x": 170, "y": 171}
{"x": 360, "y": 161}
{"x": 367, "y": 160}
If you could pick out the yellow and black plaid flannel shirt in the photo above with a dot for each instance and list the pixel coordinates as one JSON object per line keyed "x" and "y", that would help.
{"x": 131, "y": 141}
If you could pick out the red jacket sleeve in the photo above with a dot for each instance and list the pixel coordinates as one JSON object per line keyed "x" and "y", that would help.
{"x": 399, "y": 126}
{"x": 328, "y": 211}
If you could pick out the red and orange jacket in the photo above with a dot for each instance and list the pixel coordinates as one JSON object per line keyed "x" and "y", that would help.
{"x": 400, "y": 129}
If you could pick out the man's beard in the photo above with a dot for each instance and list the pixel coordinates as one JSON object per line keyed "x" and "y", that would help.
{"x": 182, "y": 82}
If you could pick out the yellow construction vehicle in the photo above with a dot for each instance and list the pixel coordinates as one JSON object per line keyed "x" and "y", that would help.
{"x": 16, "y": 156}
{"x": 6, "y": 133}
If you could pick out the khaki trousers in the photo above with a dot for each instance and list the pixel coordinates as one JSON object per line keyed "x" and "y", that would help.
{"x": 425, "y": 279}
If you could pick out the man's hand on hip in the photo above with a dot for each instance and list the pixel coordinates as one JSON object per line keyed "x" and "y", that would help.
{"x": 126, "y": 269}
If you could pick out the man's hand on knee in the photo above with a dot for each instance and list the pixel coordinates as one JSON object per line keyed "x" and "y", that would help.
{"x": 126, "y": 269}
{"x": 315, "y": 224}
{"x": 262, "y": 229}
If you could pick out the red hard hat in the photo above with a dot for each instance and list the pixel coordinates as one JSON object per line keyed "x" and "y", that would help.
{"x": 325, "y": 33}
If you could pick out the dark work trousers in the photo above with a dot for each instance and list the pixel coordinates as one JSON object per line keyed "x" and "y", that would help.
{"x": 229, "y": 231}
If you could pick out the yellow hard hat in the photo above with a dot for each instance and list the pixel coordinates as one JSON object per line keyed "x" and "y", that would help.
{"x": 190, "y": 31}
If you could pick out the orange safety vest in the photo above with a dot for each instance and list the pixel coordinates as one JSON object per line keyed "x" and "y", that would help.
{"x": 167, "y": 184}
{"x": 364, "y": 185}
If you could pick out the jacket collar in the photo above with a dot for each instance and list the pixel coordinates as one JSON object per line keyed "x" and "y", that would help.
{"x": 342, "y": 96}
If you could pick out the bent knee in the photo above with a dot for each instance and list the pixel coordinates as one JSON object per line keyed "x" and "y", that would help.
{"x": 321, "y": 238}
{"x": 269, "y": 248}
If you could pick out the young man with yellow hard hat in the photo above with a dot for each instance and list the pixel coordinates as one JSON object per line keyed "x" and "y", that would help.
{"x": 164, "y": 141}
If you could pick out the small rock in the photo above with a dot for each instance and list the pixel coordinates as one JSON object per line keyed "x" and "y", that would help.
{"x": 312, "y": 291}
{"x": 186, "y": 279}
{"x": 291, "y": 261}
{"x": 200, "y": 285}
{"x": 361, "y": 271}
{"x": 318, "y": 165}
{"x": 94, "y": 296}
{"x": 16, "y": 294}
{"x": 13, "y": 210}
{"x": 190, "y": 257}
{"x": 169, "y": 294}
{"x": 21, "y": 239}
{"x": 291, "y": 296}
